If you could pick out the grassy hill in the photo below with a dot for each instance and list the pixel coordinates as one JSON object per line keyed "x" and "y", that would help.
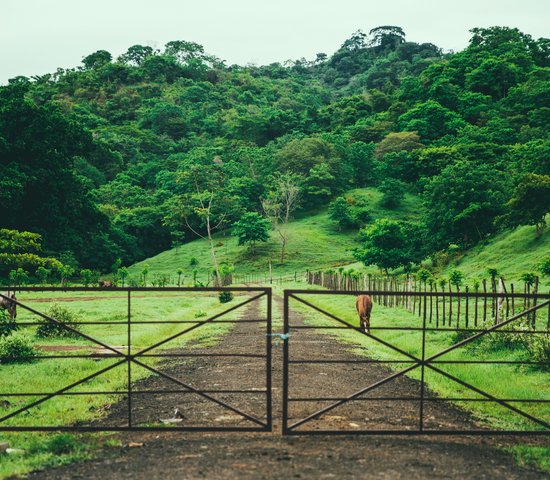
{"x": 314, "y": 242}
{"x": 512, "y": 253}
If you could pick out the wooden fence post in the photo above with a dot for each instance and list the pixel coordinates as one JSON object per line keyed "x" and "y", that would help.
{"x": 535, "y": 291}
{"x": 484, "y": 300}
{"x": 431, "y": 300}
{"x": 414, "y": 298}
{"x": 436, "y": 306}
{"x": 443, "y": 316}
{"x": 475, "y": 306}
{"x": 450, "y": 306}
{"x": 458, "y": 307}
{"x": 466, "y": 313}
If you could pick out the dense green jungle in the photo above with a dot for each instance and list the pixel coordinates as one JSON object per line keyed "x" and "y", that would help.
{"x": 118, "y": 159}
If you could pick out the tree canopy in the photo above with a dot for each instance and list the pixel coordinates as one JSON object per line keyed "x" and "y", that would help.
{"x": 99, "y": 159}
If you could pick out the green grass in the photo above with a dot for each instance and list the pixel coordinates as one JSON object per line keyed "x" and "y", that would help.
{"x": 512, "y": 253}
{"x": 314, "y": 242}
{"x": 410, "y": 207}
{"x": 49, "y": 375}
{"x": 530, "y": 456}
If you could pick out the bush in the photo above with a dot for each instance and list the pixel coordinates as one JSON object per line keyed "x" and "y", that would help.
{"x": 340, "y": 211}
{"x": 200, "y": 313}
{"x": 539, "y": 348}
{"x": 47, "y": 328}
{"x": 17, "y": 348}
{"x": 362, "y": 217}
{"x": 7, "y": 324}
{"x": 498, "y": 340}
{"x": 62, "y": 444}
{"x": 461, "y": 335}
{"x": 393, "y": 192}
{"x": 226, "y": 297}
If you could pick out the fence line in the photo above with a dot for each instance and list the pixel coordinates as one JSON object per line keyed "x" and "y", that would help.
{"x": 450, "y": 306}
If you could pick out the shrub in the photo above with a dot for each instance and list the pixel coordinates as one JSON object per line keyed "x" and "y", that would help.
{"x": 200, "y": 313}
{"x": 340, "y": 211}
{"x": 226, "y": 297}
{"x": 7, "y": 324}
{"x": 62, "y": 444}
{"x": 362, "y": 217}
{"x": 461, "y": 335}
{"x": 499, "y": 340}
{"x": 539, "y": 348}
{"x": 17, "y": 348}
{"x": 441, "y": 259}
{"x": 47, "y": 328}
{"x": 423, "y": 274}
{"x": 456, "y": 277}
{"x": 393, "y": 193}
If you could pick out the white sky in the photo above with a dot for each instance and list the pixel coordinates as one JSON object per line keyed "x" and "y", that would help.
{"x": 37, "y": 36}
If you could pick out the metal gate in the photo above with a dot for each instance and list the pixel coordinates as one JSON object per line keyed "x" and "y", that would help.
{"x": 130, "y": 357}
{"x": 310, "y": 422}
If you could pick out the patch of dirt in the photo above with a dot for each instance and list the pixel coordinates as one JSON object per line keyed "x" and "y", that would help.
{"x": 192, "y": 455}
{"x": 122, "y": 296}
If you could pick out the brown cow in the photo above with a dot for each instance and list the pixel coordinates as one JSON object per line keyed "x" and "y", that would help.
{"x": 364, "y": 307}
{"x": 7, "y": 304}
{"x": 106, "y": 284}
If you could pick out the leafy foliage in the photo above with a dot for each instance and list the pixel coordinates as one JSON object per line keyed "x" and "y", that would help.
{"x": 389, "y": 244}
{"x": 530, "y": 202}
{"x": 251, "y": 228}
{"x": 8, "y": 325}
{"x": 393, "y": 192}
{"x": 17, "y": 348}
{"x": 63, "y": 316}
{"x": 120, "y": 157}
{"x": 225, "y": 297}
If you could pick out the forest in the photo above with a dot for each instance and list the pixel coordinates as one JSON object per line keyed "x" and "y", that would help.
{"x": 117, "y": 160}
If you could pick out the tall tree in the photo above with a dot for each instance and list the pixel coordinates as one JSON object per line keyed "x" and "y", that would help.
{"x": 530, "y": 202}
{"x": 206, "y": 203}
{"x": 463, "y": 202}
{"x": 388, "y": 244}
{"x": 279, "y": 204}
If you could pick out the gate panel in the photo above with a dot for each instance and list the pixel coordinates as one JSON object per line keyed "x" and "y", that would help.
{"x": 384, "y": 388}
{"x": 160, "y": 369}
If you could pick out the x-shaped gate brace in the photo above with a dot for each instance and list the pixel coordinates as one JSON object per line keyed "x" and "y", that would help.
{"x": 422, "y": 363}
{"x": 130, "y": 358}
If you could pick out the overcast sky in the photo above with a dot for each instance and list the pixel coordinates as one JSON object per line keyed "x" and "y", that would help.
{"x": 37, "y": 36}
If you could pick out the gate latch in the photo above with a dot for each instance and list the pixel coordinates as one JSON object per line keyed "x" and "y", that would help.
{"x": 279, "y": 336}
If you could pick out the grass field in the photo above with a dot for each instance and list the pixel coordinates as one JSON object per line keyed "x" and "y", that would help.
{"x": 316, "y": 243}
{"x": 49, "y": 375}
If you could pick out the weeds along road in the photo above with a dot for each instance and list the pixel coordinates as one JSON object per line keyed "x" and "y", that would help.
{"x": 272, "y": 456}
